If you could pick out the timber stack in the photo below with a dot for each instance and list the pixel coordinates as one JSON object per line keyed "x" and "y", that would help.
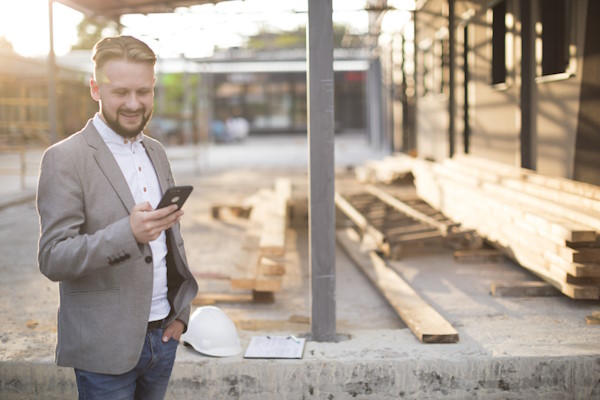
{"x": 548, "y": 225}
{"x": 259, "y": 264}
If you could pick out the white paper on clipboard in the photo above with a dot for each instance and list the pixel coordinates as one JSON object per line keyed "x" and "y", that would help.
{"x": 275, "y": 347}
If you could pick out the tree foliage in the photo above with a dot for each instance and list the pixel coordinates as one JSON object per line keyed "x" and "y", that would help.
{"x": 271, "y": 40}
{"x": 90, "y": 31}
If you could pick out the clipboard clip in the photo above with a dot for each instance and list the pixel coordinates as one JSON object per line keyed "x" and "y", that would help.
{"x": 292, "y": 337}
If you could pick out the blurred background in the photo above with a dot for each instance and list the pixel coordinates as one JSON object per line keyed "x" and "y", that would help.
{"x": 226, "y": 71}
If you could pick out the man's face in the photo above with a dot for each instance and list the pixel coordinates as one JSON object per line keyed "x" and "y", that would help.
{"x": 125, "y": 92}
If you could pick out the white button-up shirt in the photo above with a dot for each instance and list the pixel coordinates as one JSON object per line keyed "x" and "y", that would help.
{"x": 141, "y": 177}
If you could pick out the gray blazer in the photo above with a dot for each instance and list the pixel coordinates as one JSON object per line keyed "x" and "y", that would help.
{"x": 87, "y": 245}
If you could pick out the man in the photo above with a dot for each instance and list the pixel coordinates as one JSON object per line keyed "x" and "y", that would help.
{"x": 125, "y": 285}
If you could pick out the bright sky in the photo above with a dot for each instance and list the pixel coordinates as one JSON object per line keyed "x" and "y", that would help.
{"x": 192, "y": 31}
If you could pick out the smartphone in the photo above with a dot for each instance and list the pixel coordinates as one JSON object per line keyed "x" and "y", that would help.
{"x": 175, "y": 195}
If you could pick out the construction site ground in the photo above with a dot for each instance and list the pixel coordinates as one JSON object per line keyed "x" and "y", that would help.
{"x": 508, "y": 348}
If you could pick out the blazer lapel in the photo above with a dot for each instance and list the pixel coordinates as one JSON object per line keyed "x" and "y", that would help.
{"x": 158, "y": 165}
{"x": 107, "y": 163}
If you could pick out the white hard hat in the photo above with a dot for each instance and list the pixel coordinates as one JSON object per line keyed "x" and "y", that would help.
{"x": 211, "y": 332}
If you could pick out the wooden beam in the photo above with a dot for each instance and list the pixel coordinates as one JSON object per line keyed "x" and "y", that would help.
{"x": 477, "y": 256}
{"x": 422, "y": 319}
{"x": 204, "y": 299}
{"x": 523, "y": 289}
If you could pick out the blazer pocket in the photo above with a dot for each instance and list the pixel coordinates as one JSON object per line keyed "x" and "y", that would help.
{"x": 95, "y": 299}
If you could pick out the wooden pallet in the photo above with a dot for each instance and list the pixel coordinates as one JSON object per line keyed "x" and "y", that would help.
{"x": 393, "y": 222}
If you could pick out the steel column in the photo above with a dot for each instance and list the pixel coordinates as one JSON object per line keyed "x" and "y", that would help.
{"x": 321, "y": 170}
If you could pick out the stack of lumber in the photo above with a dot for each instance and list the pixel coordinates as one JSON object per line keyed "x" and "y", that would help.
{"x": 259, "y": 264}
{"x": 388, "y": 170}
{"x": 548, "y": 225}
{"x": 393, "y": 221}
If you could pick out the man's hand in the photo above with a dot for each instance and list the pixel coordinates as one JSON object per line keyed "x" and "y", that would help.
{"x": 173, "y": 330}
{"x": 147, "y": 224}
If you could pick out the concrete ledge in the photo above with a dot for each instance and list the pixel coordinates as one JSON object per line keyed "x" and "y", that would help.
{"x": 523, "y": 378}
{"x": 385, "y": 364}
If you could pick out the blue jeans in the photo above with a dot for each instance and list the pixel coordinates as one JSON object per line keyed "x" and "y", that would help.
{"x": 148, "y": 380}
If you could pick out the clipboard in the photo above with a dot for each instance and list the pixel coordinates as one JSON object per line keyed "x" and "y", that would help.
{"x": 275, "y": 347}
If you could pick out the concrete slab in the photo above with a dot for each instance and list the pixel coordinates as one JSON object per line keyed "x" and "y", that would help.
{"x": 509, "y": 348}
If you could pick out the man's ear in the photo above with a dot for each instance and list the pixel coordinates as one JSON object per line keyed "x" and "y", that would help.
{"x": 94, "y": 89}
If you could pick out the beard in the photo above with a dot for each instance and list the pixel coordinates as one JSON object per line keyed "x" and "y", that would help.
{"x": 122, "y": 130}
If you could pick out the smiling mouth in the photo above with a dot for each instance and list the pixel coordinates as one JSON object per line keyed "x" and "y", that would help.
{"x": 130, "y": 116}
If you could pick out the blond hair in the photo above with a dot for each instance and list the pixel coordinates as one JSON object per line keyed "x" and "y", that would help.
{"x": 121, "y": 48}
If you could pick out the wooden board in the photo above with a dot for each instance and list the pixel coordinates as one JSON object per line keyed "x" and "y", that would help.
{"x": 204, "y": 299}
{"x": 523, "y": 289}
{"x": 477, "y": 256}
{"x": 422, "y": 319}
{"x": 274, "y": 222}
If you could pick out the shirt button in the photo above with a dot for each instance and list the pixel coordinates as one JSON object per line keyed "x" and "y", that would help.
{"x": 145, "y": 190}
{"x": 140, "y": 169}
{"x": 148, "y": 259}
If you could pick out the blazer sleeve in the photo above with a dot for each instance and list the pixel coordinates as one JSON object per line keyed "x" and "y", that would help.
{"x": 65, "y": 250}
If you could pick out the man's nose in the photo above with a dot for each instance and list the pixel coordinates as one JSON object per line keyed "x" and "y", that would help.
{"x": 133, "y": 102}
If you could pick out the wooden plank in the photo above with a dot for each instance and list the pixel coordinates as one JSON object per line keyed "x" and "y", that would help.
{"x": 574, "y": 269}
{"x": 406, "y": 209}
{"x": 549, "y": 220}
{"x": 414, "y": 237}
{"x": 562, "y": 185}
{"x": 219, "y": 210}
{"x": 203, "y": 299}
{"x": 263, "y": 297}
{"x": 523, "y": 289}
{"x": 283, "y": 188}
{"x": 244, "y": 274}
{"x": 533, "y": 263}
{"x": 554, "y": 195}
{"x": 359, "y": 220}
{"x": 591, "y": 320}
{"x": 422, "y": 319}
{"x": 272, "y": 238}
{"x": 590, "y": 218}
{"x": 245, "y": 261}
{"x": 271, "y": 265}
{"x": 268, "y": 283}
{"x": 388, "y": 170}
{"x": 477, "y": 256}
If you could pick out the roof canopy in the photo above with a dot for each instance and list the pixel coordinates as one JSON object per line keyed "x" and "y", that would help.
{"x": 114, "y": 8}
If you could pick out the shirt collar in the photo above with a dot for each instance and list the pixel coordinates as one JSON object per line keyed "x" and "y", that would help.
{"x": 112, "y": 137}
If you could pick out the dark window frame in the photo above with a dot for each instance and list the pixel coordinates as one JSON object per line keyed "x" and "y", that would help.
{"x": 555, "y": 18}
{"x": 499, "y": 70}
